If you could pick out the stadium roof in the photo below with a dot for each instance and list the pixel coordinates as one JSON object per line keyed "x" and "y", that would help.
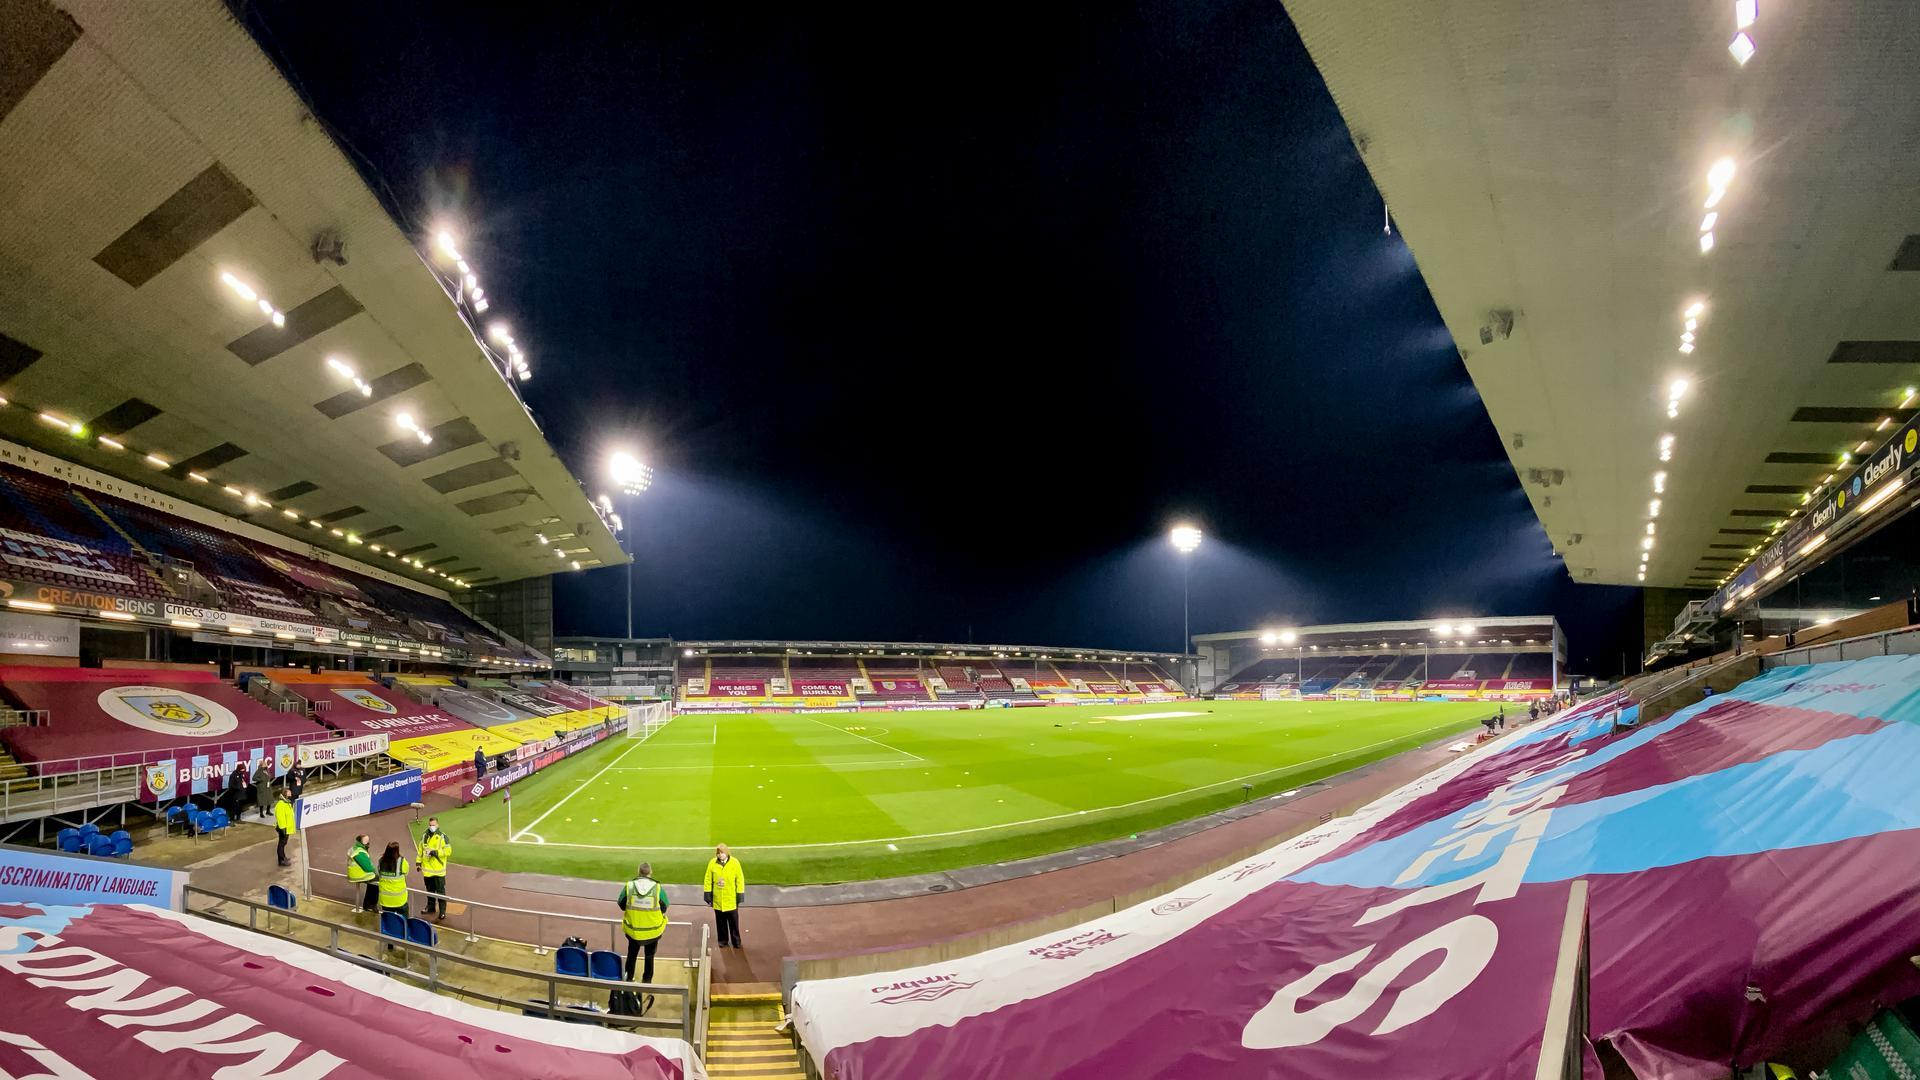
{"x": 1550, "y": 167}
{"x": 920, "y": 648}
{"x": 1451, "y": 633}
{"x": 155, "y": 171}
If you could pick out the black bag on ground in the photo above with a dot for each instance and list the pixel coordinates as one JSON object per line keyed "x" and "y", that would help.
{"x": 624, "y": 1003}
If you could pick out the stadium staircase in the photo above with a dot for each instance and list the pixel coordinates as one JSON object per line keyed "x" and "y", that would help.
{"x": 744, "y": 1043}
{"x": 151, "y": 560}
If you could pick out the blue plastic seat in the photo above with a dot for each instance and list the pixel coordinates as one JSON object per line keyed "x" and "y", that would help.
{"x": 393, "y": 925}
{"x": 122, "y": 845}
{"x": 99, "y": 845}
{"x": 202, "y": 821}
{"x": 604, "y": 964}
{"x": 119, "y": 835}
{"x": 89, "y": 829}
{"x": 220, "y": 819}
{"x": 281, "y": 898}
{"x": 570, "y": 960}
{"x": 420, "y": 932}
{"x": 69, "y": 840}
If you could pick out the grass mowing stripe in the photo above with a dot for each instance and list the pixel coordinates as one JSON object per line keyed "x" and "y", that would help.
{"x": 1265, "y": 773}
{"x": 970, "y": 787}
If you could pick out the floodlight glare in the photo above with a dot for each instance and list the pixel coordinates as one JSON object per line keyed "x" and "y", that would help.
{"x": 1269, "y": 638}
{"x": 628, "y": 472}
{"x": 1288, "y": 637}
{"x": 1185, "y": 538}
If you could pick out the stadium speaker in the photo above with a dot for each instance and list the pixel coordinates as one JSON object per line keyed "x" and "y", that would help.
{"x": 1499, "y": 325}
{"x": 329, "y": 247}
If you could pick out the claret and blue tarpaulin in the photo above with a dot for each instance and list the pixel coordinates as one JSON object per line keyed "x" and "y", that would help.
{"x": 1748, "y": 865}
{"x": 128, "y": 991}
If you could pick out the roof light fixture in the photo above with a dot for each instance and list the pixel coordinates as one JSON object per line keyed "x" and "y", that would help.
{"x": 112, "y": 444}
{"x": 1659, "y": 482}
{"x": 1742, "y": 49}
{"x": 1706, "y": 243}
{"x": 1695, "y": 309}
{"x": 196, "y": 478}
{"x": 1873, "y": 501}
{"x": 1706, "y": 223}
{"x": 1744, "y": 13}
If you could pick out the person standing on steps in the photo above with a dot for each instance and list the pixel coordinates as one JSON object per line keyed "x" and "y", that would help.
{"x": 643, "y": 916}
{"x": 724, "y": 887}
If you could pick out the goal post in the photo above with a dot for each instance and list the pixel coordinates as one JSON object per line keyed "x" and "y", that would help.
{"x": 643, "y": 720}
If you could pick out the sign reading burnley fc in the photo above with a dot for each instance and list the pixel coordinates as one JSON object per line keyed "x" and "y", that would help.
{"x": 167, "y": 711}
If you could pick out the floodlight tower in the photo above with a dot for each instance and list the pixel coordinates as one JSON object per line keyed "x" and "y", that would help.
{"x": 1185, "y": 539}
{"x": 632, "y": 477}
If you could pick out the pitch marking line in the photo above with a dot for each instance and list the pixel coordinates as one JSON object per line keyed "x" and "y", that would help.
{"x": 875, "y": 742}
{"x": 1003, "y": 825}
{"x": 1150, "y": 716}
{"x": 795, "y": 765}
{"x": 588, "y": 782}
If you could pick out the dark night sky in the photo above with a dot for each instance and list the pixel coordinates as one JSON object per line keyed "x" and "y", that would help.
{"x": 933, "y": 319}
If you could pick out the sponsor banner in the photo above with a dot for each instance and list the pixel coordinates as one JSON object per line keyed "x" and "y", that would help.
{"x": 38, "y": 876}
{"x": 737, "y": 688}
{"x": 332, "y": 753}
{"x": 136, "y": 991}
{"x": 816, "y": 688}
{"x": 449, "y": 751}
{"x": 38, "y": 635}
{"x": 215, "y": 620}
{"x": 533, "y": 705}
{"x": 312, "y": 575}
{"x": 898, "y": 686}
{"x": 1450, "y": 684}
{"x": 1106, "y": 688}
{"x": 1513, "y": 686}
{"x": 373, "y": 796}
{"x": 520, "y": 770}
{"x": 71, "y": 566}
{"x": 79, "y": 598}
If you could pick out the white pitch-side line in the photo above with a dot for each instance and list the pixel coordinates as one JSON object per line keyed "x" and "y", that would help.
{"x": 875, "y": 742}
{"x": 588, "y": 782}
{"x": 793, "y": 765}
{"x": 1004, "y": 824}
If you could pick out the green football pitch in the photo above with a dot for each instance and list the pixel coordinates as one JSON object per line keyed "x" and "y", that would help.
{"x": 846, "y": 796}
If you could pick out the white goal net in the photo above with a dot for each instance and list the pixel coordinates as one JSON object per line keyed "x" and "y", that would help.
{"x": 644, "y": 720}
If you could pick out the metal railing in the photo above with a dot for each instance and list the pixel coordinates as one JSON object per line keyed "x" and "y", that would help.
{"x": 1900, "y": 642}
{"x": 23, "y": 718}
{"x": 58, "y": 785}
{"x": 615, "y": 933}
{"x": 438, "y": 981}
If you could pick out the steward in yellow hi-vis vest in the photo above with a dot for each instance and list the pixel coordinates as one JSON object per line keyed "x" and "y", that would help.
{"x": 643, "y": 915}
{"x": 435, "y": 850}
{"x": 724, "y": 887}
{"x": 393, "y": 880}
{"x": 362, "y": 875}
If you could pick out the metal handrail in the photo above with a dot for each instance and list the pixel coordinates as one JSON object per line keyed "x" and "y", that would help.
{"x": 615, "y": 927}
{"x": 56, "y": 768}
{"x": 437, "y": 956}
{"x": 704, "y": 1005}
{"x": 23, "y": 717}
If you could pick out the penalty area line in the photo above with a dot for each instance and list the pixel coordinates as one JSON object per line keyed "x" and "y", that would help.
{"x": 578, "y": 788}
{"x": 875, "y": 742}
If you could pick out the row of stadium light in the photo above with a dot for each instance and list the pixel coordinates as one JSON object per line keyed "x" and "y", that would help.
{"x": 251, "y": 500}
{"x": 467, "y": 290}
{"x": 1719, "y": 180}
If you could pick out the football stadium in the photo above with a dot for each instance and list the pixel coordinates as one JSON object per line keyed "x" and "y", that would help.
{"x": 308, "y": 767}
